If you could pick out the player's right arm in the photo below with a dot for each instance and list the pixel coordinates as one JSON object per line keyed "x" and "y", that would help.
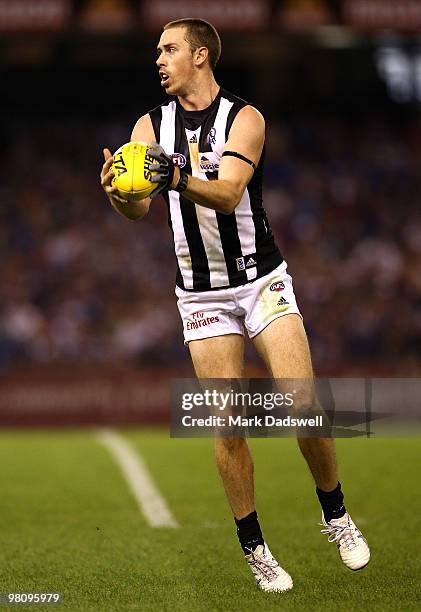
{"x": 142, "y": 131}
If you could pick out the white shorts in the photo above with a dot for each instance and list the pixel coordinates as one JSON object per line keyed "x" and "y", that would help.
{"x": 206, "y": 314}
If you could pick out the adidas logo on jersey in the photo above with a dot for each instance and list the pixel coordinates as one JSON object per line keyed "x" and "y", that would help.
{"x": 250, "y": 260}
{"x": 193, "y": 139}
{"x": 282, "y": 302}
{"x": 246, "y": 262}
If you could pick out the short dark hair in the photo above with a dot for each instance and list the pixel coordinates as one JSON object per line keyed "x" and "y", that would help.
{"x": 200, "y": 33}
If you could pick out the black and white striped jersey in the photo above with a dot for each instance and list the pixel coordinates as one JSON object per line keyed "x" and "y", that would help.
{"x": 213, "y": 250}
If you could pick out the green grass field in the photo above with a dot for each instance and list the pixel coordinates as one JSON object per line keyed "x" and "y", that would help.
{"x": 69, "y": 524}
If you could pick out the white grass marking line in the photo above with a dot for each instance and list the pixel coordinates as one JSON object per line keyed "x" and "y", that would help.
{"x": 135, "y": 472}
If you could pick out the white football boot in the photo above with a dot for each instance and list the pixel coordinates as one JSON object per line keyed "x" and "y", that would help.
{"x": 268, "y": 573}
{"x": 351, "y": 543}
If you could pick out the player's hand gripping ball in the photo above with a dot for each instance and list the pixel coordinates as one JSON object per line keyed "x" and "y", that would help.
{"x": 132, "y": 175}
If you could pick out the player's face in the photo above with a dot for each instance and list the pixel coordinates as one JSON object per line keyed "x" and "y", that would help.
{"x": 175, "y": 62}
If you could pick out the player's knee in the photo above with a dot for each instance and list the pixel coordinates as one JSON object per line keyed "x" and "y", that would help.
{"x": 304, "y": 404}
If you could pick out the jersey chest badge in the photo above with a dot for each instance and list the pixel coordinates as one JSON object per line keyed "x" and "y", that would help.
{"x": 211, "y": 137}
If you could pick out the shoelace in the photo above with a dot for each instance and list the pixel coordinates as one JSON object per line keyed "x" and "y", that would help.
{"x": 342, "y": 534}
{"x": 265, "y": 566}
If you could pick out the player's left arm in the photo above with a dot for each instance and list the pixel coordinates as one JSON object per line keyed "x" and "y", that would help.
{"x": 246, "y": 137}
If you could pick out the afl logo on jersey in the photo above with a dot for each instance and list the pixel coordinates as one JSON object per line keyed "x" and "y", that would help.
{"x": 178, "y": 159}
{"x": 279, "y": 286}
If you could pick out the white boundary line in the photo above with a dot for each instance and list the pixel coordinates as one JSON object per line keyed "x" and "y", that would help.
{"x": 135, "y": 472}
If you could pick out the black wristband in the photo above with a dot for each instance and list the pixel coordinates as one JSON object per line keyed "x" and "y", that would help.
{"x": 182, "y": 182}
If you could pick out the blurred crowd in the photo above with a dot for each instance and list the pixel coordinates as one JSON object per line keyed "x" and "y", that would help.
{"x": 80, "y": 284}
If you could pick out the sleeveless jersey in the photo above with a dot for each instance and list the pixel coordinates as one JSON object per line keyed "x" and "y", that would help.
{"x": 213, "y": 250}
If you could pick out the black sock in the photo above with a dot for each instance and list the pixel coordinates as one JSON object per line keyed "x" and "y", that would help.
{"x": 249, "y": 532}
{"x": 332, "y": 503}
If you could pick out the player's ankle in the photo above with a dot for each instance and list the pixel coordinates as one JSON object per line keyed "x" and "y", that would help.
{"x": 332, "y": 503}
{"x": 249, "y": 532}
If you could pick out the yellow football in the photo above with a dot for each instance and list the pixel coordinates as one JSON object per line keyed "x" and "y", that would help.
{"x": 132, "y": 176}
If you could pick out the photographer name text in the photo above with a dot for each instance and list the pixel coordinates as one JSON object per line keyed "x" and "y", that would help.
{"x": 254, "y": 421}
